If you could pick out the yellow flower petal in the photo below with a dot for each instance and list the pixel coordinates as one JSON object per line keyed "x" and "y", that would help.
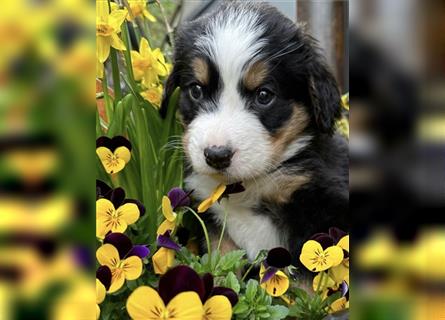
{"x": 218, "y": 308}
{"x": 205, "y": 205}
{"x": 116, "y": 18}
{"x": 149, "y": 16}
{"x": 166, "y": 225}
{"x": 104, "y": 208}
{"x": 102, "y": 10}
{"x": 103, "y": 48}
{"x": 339, "y": 304}
{"x": 344, "y": 243}
{"x": 128, "y": 212}
{"x": 339, "y": 273}
{"x": 100, "y": 292}
{"x": 167, "y": 209}
{"x": 132, "y": 267}
{"x": 185, "y": 306}
{"x": 335, "y": 255}
{"x": 163, "y": 259}
{"x": 110, "y": 162}
{"x": 101, "y": 229}
{"x": 107, "y": 255}
{"x": 123, "y": 153}
{"x": 328, "y": 282}
{"x": 218, "y": 192}
{"x": 117, "y": 43}
{"x": 117, "y": 280}
{"x": 145, "y": 303}
{"x": 97, "y": 312}
{"x": 144, "y": 48}
{"x": 277, "y": 285}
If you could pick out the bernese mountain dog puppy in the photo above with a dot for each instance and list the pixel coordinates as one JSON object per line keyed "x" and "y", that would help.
{"x": 259, "y": 107}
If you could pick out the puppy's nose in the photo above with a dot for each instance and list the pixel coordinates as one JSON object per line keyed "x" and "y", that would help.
{"x": 218, "y": 157}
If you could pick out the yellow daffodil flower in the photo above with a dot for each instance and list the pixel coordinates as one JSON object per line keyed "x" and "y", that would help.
{"x": 139, "y": 8}
{"x": 277, "y": 285}
{"x": 146, "y": 64}
{"x": 107, "y": 28}
{"x": 163, "y": 260}
{"x": 109, "y": 218}
{"x": 216, "y": 194}
{"x": 129, "y": 268}
{"x": 316, "y": 259}
{"x": 145, "y": 303}
{"x": 153, "y": 95}
{"x": 100, "y": 296}
{"x": 339, "y": 304}
{"x": 217, "y": 308}
{"x": 170, "y": 216}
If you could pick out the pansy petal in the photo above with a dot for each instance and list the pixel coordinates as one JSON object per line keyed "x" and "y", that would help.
{"x": 107, "y": 255}
{"x": 267, "y": 274}
{"x": 207, "y": 280}
{"x": 104, "y": 141}
{"x": 123, "y": 153}
{"x": 339, "y": 273}
{"x": 100, "y": 292}
{"x": 120, "y": 141}
{"x": 344, "y": 243}
{"x": 101, "y": 228}
{"x": 205, "y": 205}
{"x": 103, "y": 274}
{"x": 178, "y": 197}
{"x": 162, "y": 260}
{"x": 328, "y": 282}
{"x": 117, "y": 197}
{"x": 166, "y": 242}
{"x": 218, "y": 308}
{"x": 145, "y": 303}
{"x": 185, "y": 306}
{"x": 140, "y": 251}
{"x": 117, "y": 281}
{"x": 278, "y": 258}
{"x": 336, "y": 233}
{"x": 104, "y": 154}
{"x": 103, "y": 48}
{"x": 165, "y": 226}
{"x": 324, "y": 239}
{"x": 167, "y": 209}
{"x": 338, "y": 305}
{"x": 102, "y": 189}
{"x": 180, "y": 279}
{"x": 120, "y": 241}
{"x": 129, "y": 212}
{"x": 227, "y": 292}
{"x": 97, "y": 312}
{"x": 277, "y": 285}
{"x": 104, "y": 208}
{"x": 218, "y": 192}
{"x": 309, "y": 251}
{"x": 141, "y": 207}
{"x": 132, "y": 267}
{"x": 335, "y": 255}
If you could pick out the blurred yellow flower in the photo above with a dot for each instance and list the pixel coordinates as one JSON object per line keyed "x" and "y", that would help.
{"x": 216, "y": 194}
{"x": 107, "y": 29}
{"x": 139, "y": 8}
{"x": 109, "y": 218}
{"x": 129, "y": 268}
{"x": 163, "y": 260}
{"x": 147, "y": 65}
{"x": 316, "y": 259}
{"x": 145, "y": 303}
{"x": 153, "y": 95}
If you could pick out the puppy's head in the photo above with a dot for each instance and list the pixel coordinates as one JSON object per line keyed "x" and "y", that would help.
{"x": 254, "y": 91}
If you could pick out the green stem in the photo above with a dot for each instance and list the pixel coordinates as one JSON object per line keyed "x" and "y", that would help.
{"x": 247, "y": 272}
{"x": 204, "y": 229}
{"x": 320, "y": 282}
{"x": 109, "y": 108}
{"x": 223, "y": 229}
{"x": 116, "y": 77}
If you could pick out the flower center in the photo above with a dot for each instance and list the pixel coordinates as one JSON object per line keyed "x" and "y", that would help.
{"x": 165, "y": 315}
{"x": 113, "y": 160}
{"x": 320, "y": 258}
{"x": 104, "y": 30}
{"x": 142, "y": 64}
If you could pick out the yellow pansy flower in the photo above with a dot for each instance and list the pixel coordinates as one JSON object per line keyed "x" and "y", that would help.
{"x": 145, "y": 303}
{"x": 100, "y": 296}
{"x": 113, "y": 153}
{"x": 139, "y": 8}
{"x": 107, "y": 28}
{"x": 316, "y": 259}
{"x": 163, "y": 260}
{"x": 170, "y": 216}
{"x": 129, "y": 268}
{"x": 109, "y": 218}
{"x": 216, "y": 194}
{"x": 276, "y": 285}
{"x": 146, "y": 65}
{"x": 339, "y": 304}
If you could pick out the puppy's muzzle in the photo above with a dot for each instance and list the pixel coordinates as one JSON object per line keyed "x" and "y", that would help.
{"x": 218, "y": 157}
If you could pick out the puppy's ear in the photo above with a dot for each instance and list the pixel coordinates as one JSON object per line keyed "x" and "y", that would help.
{"x": 170, "y": 86}
{"x": 325, "y": 97}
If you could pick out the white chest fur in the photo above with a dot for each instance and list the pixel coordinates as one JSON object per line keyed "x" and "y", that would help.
{"x": 250, "y": 231}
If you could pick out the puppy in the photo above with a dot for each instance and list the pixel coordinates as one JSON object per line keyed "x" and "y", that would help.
{"x": 259, "y": 106}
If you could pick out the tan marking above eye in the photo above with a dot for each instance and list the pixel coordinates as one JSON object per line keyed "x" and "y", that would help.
{"x": 255, "y": 75}
{"x": 201, "y": 70}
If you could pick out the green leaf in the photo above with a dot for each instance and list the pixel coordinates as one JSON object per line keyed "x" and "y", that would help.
{"x": 278, "y": 312}
{"x": 232, "y": 282}
{"x": 231, "y": 261}
{"x": 241, "y": 307}
{"x": 251, "y": 289}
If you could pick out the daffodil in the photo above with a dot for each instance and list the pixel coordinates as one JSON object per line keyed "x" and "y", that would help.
{"x": 316, "y": 259}
{"x": 153, "y": 95}
{"x": 216, "y": 194}
{"x": 146, "y": 64}
{"x": 139, "y": 8}
{"x": 107, "y": 28}
{"x": 113, "y": 212}
{"x": 164, "y": 258}
{"x": 117, "y": 254}
{"x": 272, "y": 279}
{"x": 113, "y": 153}
{"x": 103, "y": 282}
{"x": 175, "y": 198}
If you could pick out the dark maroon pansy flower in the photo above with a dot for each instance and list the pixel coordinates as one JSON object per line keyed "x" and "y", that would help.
{"x": 207, "y": 280}
{"x": 329, "y": 239}
{"x": 125, "y": 247}
{"x": 180, "y": 279}
{"x": 102, "y": 190}
{"x": 178, "y": 198}
{"x": 113, "y": 143}
{"x": 165, "y": 241}
{"x": 103, "y": 274}
{"x": 278, "y": 257}
{"x": 233, "y": 188}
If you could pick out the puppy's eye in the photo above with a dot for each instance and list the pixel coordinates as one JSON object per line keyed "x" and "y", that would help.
{"x": 195, "y": 92}
{"x": 264, "y": 96}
